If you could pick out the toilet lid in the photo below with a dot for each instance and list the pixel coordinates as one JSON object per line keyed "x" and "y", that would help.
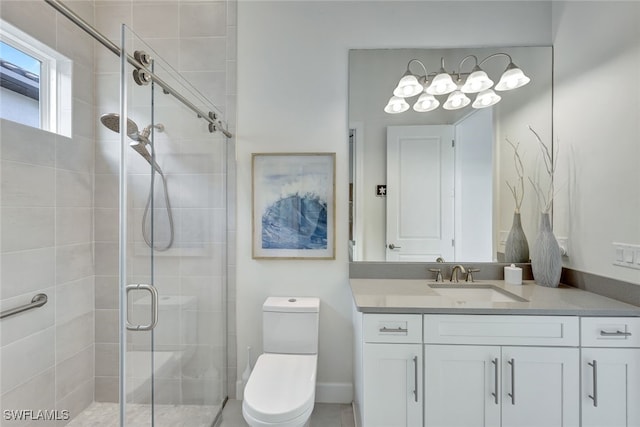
{"x": 281, "y": 386}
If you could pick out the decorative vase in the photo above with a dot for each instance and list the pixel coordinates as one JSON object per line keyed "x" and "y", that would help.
{"x": 516, "y": 248}
{"x": 546, "y": 258}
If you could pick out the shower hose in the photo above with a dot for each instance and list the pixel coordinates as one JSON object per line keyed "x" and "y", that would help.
{"x": 145, "y": 233}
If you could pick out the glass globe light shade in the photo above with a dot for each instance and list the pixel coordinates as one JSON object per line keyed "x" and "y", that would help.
{"x": 486, "y": 98}
{"x": 512, "y": 78}
{"x": 476, "y": 82}
{"x": 441, "y": 84}
{"x": 456, "y": 101}
{"x": 408, "y": 86}
{"x": 396, "y": 105}
{"x": 425, "y": 103}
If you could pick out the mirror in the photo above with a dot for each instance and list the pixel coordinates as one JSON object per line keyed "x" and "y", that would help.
{"x": 469, "y": 209}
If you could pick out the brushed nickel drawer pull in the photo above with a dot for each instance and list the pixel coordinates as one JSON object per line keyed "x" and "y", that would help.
{"x": 594, "y": 397}
{"x": 494, "y": 362}
{"x": 512, "y": 395}
{"x": 415, "y": 378}
{"x": 384, "y": 329}
{"x": 615, "y": 334}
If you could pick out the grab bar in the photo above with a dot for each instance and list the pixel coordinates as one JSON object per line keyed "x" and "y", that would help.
{"x": 37, "y": 301}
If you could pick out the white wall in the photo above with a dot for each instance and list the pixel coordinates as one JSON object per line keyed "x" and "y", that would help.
{"x": 292, "y": 97}
{"x": 597, "y": 48}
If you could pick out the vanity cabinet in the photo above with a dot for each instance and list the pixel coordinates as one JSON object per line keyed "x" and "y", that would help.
{"x": 482, "y": 385}
{"x": 441, "y": 370}
{"x": 474, "y": 384}
{"x": 610, "y": 364}
{"x": 391, "y": 372}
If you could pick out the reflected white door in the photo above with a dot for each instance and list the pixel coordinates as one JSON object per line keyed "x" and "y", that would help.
{"x": 420, "y": 193}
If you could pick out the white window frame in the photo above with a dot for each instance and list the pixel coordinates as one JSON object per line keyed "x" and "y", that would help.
{"x": 55, "y": 78}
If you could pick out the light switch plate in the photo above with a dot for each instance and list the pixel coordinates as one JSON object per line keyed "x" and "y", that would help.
{"x": 626, "y": 255}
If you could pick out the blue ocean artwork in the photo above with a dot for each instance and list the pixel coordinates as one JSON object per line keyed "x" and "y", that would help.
{"x": 295, "y": 222}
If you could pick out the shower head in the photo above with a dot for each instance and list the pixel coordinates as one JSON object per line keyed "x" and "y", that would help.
{"x": 112, "y": 121}
{"x": 141, "y": 139}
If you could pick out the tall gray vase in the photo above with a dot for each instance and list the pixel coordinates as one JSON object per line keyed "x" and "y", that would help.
{"x": 516, "y": 248}
{"x": 546, "y": 258}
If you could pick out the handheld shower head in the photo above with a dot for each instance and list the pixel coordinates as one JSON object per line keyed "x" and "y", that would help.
{"x": 141, "y": 139}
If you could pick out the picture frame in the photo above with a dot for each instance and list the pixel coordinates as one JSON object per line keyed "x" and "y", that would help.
{"x": 293, "y": 205}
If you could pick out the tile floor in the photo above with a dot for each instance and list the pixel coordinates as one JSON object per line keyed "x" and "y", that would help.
{"x": 324, "y": 415}
{"x": 100, "y": 414}
{"x": 106, "y": 415}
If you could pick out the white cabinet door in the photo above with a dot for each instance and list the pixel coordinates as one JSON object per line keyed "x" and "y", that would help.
{"x": 610, "y": 387}
{"x": 540, "y": 387}
{"x": 392, "y": 376}
{"x": 462, "y": 386}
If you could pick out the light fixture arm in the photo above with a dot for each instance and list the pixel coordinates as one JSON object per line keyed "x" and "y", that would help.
{"x": 475, "y": 58}
{"x": 493, "y": 56}
{"x": 419, "y": 62}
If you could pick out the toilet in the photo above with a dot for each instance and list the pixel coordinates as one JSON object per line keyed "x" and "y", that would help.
{"x": 281, "y": 388}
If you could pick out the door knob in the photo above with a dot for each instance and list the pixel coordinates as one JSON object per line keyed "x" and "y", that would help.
{"x": 392, "y": 246}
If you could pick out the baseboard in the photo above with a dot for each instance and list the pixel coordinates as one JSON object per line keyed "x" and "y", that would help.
{"x": 325, "y": 392}
{"x": 334, "y": 393}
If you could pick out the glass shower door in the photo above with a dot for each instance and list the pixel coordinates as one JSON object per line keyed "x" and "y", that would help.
{"x": 173, "y": 248}
{"x": 138, "y": 293}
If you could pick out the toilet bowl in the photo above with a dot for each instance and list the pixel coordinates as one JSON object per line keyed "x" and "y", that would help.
{"x": 281, "y": 388}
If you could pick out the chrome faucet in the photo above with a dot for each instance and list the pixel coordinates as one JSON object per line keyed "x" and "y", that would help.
{"x": 454, "y": 272}
{"x": 438, "y": 274}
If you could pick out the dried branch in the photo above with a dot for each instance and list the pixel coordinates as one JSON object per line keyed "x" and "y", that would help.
{"x": 520, "y": 171}
{"x": 550, "y": 158}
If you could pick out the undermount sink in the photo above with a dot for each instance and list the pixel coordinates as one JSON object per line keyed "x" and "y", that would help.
{"x": 478, "y": 292}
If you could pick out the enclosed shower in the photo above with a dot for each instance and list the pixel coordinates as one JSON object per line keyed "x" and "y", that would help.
{"x": 114, "y": 223}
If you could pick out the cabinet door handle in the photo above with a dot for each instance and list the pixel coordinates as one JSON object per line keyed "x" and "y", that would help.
{"x": 615, "y": 334}
{"x": 385, "y": 329}
{"x": 415, "y": 378}
{"x": 594, "y": 396}
{"x": 512, "y": 395}
{"x": 494, "y": 362}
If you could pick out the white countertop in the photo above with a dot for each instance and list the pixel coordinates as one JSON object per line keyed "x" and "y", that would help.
{"x": 415, "y": 296}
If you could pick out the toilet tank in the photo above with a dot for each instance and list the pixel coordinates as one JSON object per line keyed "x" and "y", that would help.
{"x": 290, "y": 325}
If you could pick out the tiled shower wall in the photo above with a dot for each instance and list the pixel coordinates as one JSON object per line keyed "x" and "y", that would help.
{"x": 47, "y": 354}
{"x": 57, "y": 199}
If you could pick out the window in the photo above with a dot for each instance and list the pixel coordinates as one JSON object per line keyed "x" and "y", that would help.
{"x": 35, "y": 82}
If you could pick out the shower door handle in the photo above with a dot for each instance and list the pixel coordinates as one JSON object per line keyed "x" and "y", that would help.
{"x": 154, "y": 307}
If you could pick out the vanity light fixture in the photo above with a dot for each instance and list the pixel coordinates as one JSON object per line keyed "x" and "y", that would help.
{"x": 456, "y": 85}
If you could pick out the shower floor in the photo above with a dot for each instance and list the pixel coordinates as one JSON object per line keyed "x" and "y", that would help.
{"x": 106, "y": 415}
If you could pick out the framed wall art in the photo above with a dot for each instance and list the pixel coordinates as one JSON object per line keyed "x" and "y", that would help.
{"x": 293, "y": 205}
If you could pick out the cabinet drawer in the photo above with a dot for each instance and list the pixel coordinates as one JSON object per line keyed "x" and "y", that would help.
{"x": 392, "y": 328}
{"x": 502, "y": 330}
{"x": 610, "y": 331}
